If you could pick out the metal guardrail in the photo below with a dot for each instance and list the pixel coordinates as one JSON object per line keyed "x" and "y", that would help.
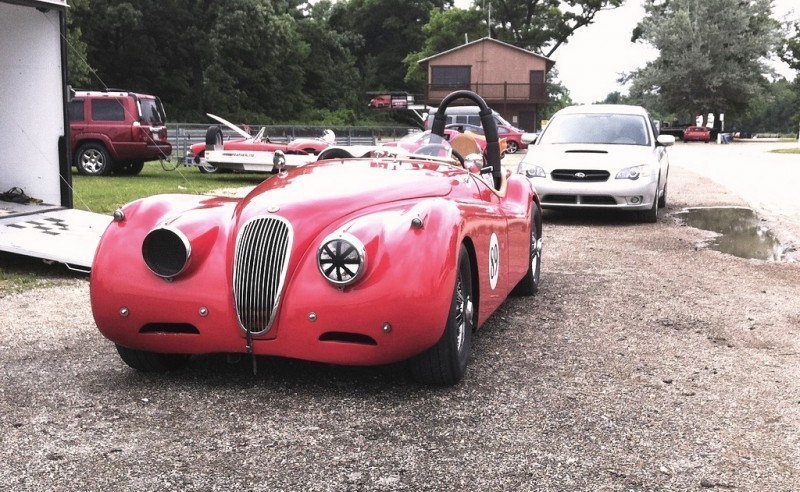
{"x": 184, "y": 135}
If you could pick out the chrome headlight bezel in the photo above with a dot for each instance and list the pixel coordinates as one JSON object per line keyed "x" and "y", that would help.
{"x": 342, "y": 259}
{"x": 531, "y": 171}
{"x": 166, "y": 251}
{"x": 634, "y": 172}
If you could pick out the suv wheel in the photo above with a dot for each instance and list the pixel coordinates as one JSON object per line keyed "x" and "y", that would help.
{"x": 92, "y": 159}
{"x": 130, "y": 168}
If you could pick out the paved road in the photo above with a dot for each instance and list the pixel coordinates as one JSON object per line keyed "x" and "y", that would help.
{"x": 766, "y": 180}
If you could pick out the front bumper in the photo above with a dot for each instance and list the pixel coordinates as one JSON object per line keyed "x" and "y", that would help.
{"x": 614, "y": 193}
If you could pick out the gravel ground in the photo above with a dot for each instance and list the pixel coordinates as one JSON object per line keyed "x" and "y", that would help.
{"x": 646, "y": 362}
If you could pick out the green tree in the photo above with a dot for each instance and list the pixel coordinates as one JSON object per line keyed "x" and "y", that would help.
{"x": 389, "y": 30}
{"x": 446, "y": 29}
{"x": 711, "y": 55}
{"x": 543, "y": 26}
{"x": 79, "y": 73}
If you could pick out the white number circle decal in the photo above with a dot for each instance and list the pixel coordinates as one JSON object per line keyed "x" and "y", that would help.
{"x": 494, "y": 261}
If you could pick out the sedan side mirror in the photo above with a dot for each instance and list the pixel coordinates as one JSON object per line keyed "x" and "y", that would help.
{"x": 666, "y": 140}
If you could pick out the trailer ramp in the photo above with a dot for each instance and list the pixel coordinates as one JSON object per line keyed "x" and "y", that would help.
{"x": 58, "y": 234}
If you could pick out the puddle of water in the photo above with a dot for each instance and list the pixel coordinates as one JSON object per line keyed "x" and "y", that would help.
{"x": 741, "y": 232}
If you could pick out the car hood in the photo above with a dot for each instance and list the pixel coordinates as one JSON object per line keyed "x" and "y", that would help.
{"x": 326, "y": 191}
{"x": 588, "y": 156}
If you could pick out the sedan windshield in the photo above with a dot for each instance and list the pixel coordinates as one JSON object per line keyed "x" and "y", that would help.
{"x": 588, "y": 128}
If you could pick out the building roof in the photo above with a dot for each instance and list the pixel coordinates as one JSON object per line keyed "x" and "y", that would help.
{"x": 548, "y": 61}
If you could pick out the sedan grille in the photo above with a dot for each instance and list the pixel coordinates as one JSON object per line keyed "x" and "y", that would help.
{"x": 262, "y": 257}
{"x": 579, "y": 175}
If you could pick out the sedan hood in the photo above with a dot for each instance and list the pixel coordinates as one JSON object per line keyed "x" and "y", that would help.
{"x": 588, "y": 156}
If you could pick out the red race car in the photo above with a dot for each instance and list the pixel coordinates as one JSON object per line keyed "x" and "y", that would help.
{"x": 697, "y": 134}
{"x": 360, "y": 261}
{"x": 251, "y": 153}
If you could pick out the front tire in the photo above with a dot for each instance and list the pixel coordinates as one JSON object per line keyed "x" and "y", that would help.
{"x": 529, "y": 285}
{"x": 151, "y": 361}
{"x": 93, "y": 159}
{"x": 512, "y": 147}
{"x": 650, "y": 216}
{"x": 446, "y": 362}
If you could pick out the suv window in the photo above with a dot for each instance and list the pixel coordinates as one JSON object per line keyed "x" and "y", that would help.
{"x": 76, "y": 110}
{"x": 151, "y": 111}
{"x": 107, "y": 110}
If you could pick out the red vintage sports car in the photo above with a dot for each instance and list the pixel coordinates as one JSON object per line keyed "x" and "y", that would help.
{"x": 354, "y": 261}
{"x": 251, "y": 152}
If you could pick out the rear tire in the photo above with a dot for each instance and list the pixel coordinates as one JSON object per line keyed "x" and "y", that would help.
{"x": 512, "y": 147}
{"x": 130, "y": 168}
{"x": 151, "y": 361}
{"x": 446, "y": 362}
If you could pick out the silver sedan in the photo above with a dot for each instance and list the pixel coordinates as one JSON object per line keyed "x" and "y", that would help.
{"x": 601, "y": 156}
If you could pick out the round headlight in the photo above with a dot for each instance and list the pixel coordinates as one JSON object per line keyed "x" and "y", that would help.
{"x": 166, "y": 251}
{"x": 341, "y": 259}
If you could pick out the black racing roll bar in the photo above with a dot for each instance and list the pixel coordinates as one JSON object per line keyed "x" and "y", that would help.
{"x": 487, "y": 121}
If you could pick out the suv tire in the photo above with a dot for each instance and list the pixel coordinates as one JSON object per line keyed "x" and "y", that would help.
{"x": 92, "y": 159}
{"x": 130, "y": 168}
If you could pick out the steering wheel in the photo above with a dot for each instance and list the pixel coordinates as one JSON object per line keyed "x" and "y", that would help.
{"x": 489, "y": 129}
{"x": 434, "y": 150}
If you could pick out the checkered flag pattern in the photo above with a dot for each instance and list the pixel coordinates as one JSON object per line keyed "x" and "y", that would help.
{"x": 47, "y": 225}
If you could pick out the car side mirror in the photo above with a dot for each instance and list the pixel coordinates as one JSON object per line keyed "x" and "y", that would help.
{"x": 529, "y": 138}
{"x": 666, "y": 140}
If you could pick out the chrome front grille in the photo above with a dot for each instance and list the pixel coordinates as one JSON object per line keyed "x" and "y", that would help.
{"x": 259, "y": 271}
{"x": 583, "y": 175}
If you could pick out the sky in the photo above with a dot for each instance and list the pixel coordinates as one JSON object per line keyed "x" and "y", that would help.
{"x": 590, "y": 63}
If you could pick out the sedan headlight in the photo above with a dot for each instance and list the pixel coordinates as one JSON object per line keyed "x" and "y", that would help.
{"x": 634, "y": 172}
{"x": 166, "y": 251}
{"x": 342, "y": 259}
{"x": 531, "y": 170}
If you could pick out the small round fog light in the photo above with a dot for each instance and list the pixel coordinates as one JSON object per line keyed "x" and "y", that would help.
{"x": 635, "y": 199}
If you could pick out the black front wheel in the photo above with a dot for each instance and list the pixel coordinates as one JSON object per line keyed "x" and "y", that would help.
{"x": 151, "y": 361}
{"x": 529, "y": 285}
{"x": 446, "y": 362}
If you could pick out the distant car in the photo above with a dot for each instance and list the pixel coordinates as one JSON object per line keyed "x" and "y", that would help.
{"x": 477, "y": 133}
{"x": 380, "y": 102}
{"x": 116, "y": 132}
{"x": 346, "y": 261}
{"x": 415, "y": 141}
{"x": 601, "y": 156}
{"x": 256, "y": 152}
{"x": 697, "y": 134}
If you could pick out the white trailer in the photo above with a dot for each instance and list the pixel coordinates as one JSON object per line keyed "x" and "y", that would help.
{"x": 34, "y": 139}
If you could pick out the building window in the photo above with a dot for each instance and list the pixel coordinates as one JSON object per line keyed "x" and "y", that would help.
{"x": 450, "y": 77}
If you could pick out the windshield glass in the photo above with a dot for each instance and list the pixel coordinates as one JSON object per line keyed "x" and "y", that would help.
{"x": 589, "y": 128}
{"x": 422, "y": 143}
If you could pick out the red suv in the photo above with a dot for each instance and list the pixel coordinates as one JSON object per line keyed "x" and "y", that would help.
{"x": 116, "y": 132}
